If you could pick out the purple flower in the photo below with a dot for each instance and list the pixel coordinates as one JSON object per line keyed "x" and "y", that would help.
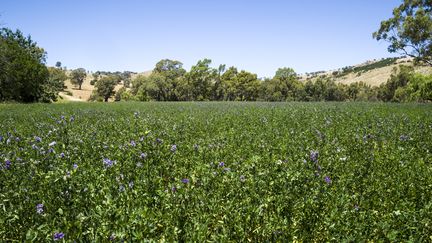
{"x": 143, "y": 155}
{"x": 185, "y": 181}
{"x": 132, "y": 143}
{"x": 1, "y": 138}
{"x": 136, "y": 114}
{"x": 173, "y": 189}
{"x": 17, "y": 139}
{"x": 75, "y": 166}
{"x": 226, "y": 169}
{"x": 112, "y": 237}
{"x": 356, "y": 207}
{"x": 314, "y": 156}
{"x": 62, "y": 155}
{"x": 403, "y": 138}
{"x": 35, "y": 147}
{"x": 38, "y": 139}
{"x": 52, "y": 143}
{"x": 50, "y": 150}
{"x": 327, "y": 180}
{"x": 158, "y": 140}
{"x": 173, "y": 148}
{"x": 196, "y": 147}
{"x": 58, "y": 236}
{"x": 121, "y": 188}
{"x": 8, "y": 164}
{"x": 62, "y": 117}
{"x": 221, "y": 164}
{"x": 108, "y": 163}
{"x": 39, "y": 208}
{"x": 242, "y": 178}
{"x": 131, "y": 184}
{"x": 72, "y": 118}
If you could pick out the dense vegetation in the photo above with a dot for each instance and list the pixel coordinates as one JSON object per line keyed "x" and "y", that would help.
{"x": 216, "y": 171}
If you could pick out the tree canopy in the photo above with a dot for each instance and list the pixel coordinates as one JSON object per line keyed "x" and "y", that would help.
{"x": 77, "y": 77}
{"x": 409, "y": 31}
{"x": 23, "y": 74}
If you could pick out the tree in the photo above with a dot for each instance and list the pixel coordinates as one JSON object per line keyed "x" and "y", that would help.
{"x": 409, "y": 31}
{"x": 105, "y": 87}
{"x": 200, "y": 79}
{"x": 23, "y": 74}
{"x": 58, "y": 65}
{"x": 54, "y": 84}
{"x": 77, "y": 77}
{"x": 170, "y": 72}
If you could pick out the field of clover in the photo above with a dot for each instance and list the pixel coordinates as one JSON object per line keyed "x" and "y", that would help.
{"x": 215, "y": 172}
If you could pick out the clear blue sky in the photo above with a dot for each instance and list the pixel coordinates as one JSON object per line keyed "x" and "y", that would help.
{"x": 256, "y": 35}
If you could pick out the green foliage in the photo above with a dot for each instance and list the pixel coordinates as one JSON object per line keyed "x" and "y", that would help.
{"x": 199, "y": 80}
{"x": 23, "y": 75}
{"x": 77, "y": 77}
{"x": 55, "y": 84}
{"x": 409, "y": 30}
{"x": 105, "y": 87}
{"x": 258, "y": 172}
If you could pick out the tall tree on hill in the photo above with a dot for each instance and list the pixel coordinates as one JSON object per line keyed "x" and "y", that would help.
{"x": 77, "y": 77}
{"x": 409, "y": 31}
{"x": 105, "y": 87}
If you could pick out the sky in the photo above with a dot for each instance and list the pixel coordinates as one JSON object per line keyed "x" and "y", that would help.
{"x": 259, "y": 36}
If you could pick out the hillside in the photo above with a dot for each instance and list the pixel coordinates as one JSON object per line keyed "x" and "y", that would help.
{"x": 373, "y": 72}
{"x": 86, "y": 89}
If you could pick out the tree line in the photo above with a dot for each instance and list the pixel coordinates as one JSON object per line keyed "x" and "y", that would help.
{"x": 24, "y": 76}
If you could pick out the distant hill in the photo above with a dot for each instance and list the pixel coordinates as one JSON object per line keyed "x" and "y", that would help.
{"x": 373, "y": 72}
{"x": 72, "y": 93}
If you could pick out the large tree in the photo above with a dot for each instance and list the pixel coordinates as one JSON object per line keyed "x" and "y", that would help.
{"x": 77, "y": 77}
{"x": 105, "y": 87}
{"x": 409, "y": 31}
{"x": 23, "y": 74}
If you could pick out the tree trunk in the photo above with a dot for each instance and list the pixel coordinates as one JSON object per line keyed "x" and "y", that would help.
{"x": 106, "y": 99}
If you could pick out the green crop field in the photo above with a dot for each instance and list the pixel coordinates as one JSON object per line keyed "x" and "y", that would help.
{"x": 216, "y": 172}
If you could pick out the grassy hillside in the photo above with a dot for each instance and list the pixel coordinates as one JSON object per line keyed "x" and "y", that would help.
{"x": 373, "y": 73}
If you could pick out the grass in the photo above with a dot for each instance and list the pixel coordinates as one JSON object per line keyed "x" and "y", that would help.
{"x": 237, "y": 172}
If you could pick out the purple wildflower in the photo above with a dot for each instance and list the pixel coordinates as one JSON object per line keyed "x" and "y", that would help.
{"x": 403, "y": 138}
{"x": 62, "y": 155}
{"x": 242, "y": 178}
{"x": 226, "y": 169}
{"x": 136, "y": 114}
{"x": 327, "y": 180}
{"x": 185, "y": 181}
{"x": 121, "y": 188}
{"x": 72, "y": 118}
{"x": 314, "y": 156}
{"x": 173, "y": 189}
{"x": 17, "y": 139}
{"x": 35, "y": 147}
{"x": 356, "y": 207}
{"x": 1, "y": 138}
{"x": 50, "y": 150}
{"x": 38, "y": 139}
{"x": 132, "y": 143}
{"x": 196, "y": 147}
{"x": 62, "y": 117}
{"x": 75, "y": 166}
{"x": 112, "y": 237}
{"x": 52, "y": 143}
{"x": 158, "y": 140}
{"x": 143, "y": 155}
{"x": 8, "y": 164}
{"x": 39, "y": 208}
{"x": 58, "y": 236}
{"x": 131, "y": 184}
{"x": 108, "y": 163}
{"x": 221, "y": 164}
{"x": 173, "y": 148}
